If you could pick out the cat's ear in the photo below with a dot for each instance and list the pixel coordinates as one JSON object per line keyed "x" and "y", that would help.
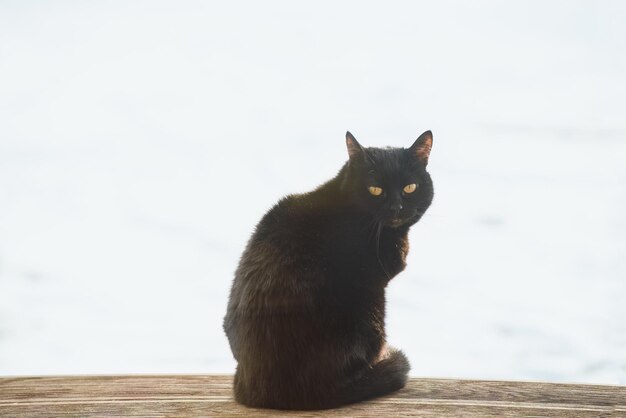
{"x": 354, "y": 148}
{"x": 422, "y": 146}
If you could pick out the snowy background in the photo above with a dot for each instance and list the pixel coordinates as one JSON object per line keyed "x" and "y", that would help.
{"x": 140, "y": 142}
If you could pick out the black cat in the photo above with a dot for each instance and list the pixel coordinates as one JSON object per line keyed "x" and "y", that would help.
{"x": 306, "y": 315}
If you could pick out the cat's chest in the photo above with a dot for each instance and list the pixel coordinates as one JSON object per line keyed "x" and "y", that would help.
{"x": 373, "y": 252}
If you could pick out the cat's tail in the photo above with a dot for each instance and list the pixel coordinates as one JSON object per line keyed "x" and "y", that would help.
{"x": 384, "y": 377}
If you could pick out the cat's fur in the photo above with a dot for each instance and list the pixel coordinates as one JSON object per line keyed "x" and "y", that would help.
{"x": 306, "y": 315}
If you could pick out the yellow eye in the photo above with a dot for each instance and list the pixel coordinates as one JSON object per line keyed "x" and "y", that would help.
{"x": 376, "y": 191}
{"x": 410, "y": 188}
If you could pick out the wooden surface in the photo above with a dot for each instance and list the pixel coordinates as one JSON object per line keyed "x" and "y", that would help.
{"x": 196, "y": 395}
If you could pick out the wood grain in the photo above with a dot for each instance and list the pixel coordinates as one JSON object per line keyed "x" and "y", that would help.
{"x": 201, "y": 395}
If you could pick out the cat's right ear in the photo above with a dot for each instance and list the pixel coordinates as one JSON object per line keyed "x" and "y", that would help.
{"x": 354, "y": 148}
{"x": 422, "y": 146}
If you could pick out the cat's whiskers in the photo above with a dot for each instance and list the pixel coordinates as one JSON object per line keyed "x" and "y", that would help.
{"x": 372, "y": 229}
{"x": 379, "y": 230}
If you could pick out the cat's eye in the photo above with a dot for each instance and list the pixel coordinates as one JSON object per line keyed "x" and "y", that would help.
{"x": 375, "y": 191}
{"x": 410, "y": 188}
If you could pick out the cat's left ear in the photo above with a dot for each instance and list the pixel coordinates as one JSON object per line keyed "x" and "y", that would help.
{"x": 422, "y": 146}
{"x": 354, "y": 148}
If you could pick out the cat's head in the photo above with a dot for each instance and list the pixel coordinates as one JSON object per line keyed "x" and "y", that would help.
{"x": 390, "y": 183}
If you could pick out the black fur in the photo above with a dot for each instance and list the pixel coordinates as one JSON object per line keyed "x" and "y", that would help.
{"x": 306, "y": 315}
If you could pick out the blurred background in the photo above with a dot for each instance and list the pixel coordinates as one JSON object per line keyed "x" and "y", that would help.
{"x": 140, "y": 142}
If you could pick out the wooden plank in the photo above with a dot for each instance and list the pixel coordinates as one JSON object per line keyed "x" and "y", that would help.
{"x": 201, "y": 395}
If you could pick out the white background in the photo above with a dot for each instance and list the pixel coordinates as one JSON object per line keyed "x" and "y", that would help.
{"x": 140, "y": 142}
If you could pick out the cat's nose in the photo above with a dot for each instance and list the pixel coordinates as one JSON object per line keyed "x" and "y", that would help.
{"x": 396, "y": 207}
